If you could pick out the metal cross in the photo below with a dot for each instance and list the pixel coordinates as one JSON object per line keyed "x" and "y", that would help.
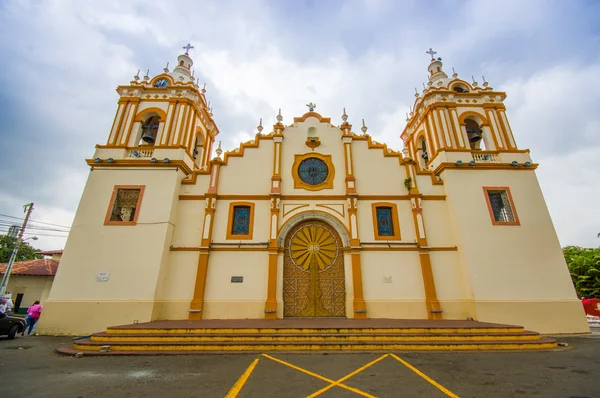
{"x": 188, "y": 47}
{"x": 431, "y": 52}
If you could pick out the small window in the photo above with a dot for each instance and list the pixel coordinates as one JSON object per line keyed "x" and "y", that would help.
{"x": 385, "y": 225}
{"x": 501, "y": 207}
{"x": 460, "y": 89}
{"x": 124, "y": 205}
{"x": 241, "y": 219}
{"x": 385, "y": 221}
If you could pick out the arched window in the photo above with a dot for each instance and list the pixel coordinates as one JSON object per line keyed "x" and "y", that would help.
{"x": 475, "y": 134}
{"x": 460, "y": 89}
{"x": 422, "y": 152}
{"x": 198, "y": 149}
{"x": 149, "y": 130}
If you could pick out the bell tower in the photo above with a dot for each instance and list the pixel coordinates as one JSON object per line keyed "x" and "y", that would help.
{"x": 460, "y": 144}
{"x": 117, "y": 256}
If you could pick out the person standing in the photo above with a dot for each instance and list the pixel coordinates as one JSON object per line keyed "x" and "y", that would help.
{"x": 33, "y": 314}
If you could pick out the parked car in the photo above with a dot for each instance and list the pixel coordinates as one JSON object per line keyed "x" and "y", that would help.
{"x": 11, "y": 325}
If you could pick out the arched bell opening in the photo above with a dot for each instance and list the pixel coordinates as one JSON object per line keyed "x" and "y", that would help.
{"x": 423, "y": 155}
{"x": 475, "y": 134}
{"x": 148, "y": 130}
{"x": 198, "y": 149}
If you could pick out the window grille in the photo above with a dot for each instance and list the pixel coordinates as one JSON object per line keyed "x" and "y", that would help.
{"x": 241, "y": 220}
{"x": 385, "y": 225}
{"x": 501, "y": 208}
{"x": 125, "y": 205}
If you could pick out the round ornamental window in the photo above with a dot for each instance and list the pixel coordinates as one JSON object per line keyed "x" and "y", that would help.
{"x": 313, "y": 171}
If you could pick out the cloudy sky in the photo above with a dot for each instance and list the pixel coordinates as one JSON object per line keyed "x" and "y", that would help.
{"x": 61, "y": 62}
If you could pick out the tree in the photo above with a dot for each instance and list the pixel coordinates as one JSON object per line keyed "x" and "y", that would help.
{"x": 584, "y": 266}
{"x": 26, "y": 252}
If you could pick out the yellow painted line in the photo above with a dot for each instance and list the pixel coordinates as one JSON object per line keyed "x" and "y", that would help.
{"x": 237, "y": 387}
{"x": 349, "y": 375}
{"x": 308, "y": 372}
{"x": 423, "y": 375}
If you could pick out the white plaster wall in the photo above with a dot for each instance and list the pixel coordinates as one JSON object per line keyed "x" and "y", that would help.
{"x": 404, "y": 269}
{"x": 189, "y": 220}
{"x": 437, "y": 225}
{"x": 179, "y": 278}
{"x": 250, "y": 174}
{"x": 294, "y": 143}
{"x": 223, "y": 265}
{"x": 506, "y": 262}
{"x": 369, "y": 166}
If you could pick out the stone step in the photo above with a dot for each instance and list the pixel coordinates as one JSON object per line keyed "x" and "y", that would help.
{"x": 307, "y": 345}
{"x": 312, "y": 337}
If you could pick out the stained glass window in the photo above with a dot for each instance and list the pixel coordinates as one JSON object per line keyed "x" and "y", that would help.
{"x": 241, "y": 220}
{"x": 385, "y": 225}
{"x": 500, "y": 205}
{"x": 124, "y": 207}
{"x": 313, "y": 171}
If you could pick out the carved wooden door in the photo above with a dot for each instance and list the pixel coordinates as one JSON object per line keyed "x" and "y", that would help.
{"x": 313, "y": 272}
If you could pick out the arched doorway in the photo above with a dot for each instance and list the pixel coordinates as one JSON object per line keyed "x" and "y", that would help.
{"x": 313, "y": 271}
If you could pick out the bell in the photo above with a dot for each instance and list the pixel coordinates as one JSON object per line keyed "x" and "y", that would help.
{"x": 474, "y": 135}
{"x": 148, "y": 137}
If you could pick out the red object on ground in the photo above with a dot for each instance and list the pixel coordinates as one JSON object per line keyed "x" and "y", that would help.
{"x": 591, "y": 306}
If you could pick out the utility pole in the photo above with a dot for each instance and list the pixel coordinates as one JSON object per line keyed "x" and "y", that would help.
{"x": 27, "y": 209}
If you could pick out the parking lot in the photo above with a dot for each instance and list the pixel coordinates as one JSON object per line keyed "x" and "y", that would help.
{"x": 30, "y": 367}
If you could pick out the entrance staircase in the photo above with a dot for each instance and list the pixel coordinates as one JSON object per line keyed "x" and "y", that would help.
{"x": 306, "y": 335}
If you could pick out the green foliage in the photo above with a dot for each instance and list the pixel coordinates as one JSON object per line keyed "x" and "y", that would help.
{"x": 408, "y": 183}
{"x": 584, "y": 266}
{"x": 25, "y": 253}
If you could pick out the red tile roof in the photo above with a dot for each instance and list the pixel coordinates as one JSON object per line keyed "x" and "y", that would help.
{"x": 43, "y": 267}
{"x": 50, "y": 252}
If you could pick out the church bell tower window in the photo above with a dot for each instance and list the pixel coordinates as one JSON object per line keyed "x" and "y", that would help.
{"x": 124, "y": 205}
{"x": 501, "y": 206}
{"x": 149, "y": 130}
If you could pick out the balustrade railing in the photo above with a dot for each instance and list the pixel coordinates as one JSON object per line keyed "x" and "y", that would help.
{"x": 484, "y": 157}
{"x": 140, "y": 153}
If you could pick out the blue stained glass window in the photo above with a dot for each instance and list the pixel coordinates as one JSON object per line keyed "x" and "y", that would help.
{"x": 385, "y": 225}
{"x": 313, "y": 171}
{"x": 241, "y": 220}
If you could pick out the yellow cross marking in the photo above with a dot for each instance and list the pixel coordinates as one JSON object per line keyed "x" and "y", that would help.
{"x": 349, "y": 375}
{"x": 334, "y": 383}
{"x": 423, "y": 375}
{"x": 308, "y": 372}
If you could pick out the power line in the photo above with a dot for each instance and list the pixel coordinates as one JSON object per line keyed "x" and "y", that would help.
{"x": 39, "y": 222}
{"x": 4, "y": 224}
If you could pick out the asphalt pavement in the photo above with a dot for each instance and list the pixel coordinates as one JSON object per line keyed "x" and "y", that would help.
{"x": 31, "y": 367}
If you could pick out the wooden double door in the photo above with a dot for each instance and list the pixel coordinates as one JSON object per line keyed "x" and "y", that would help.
{"x": 313, "y": 272}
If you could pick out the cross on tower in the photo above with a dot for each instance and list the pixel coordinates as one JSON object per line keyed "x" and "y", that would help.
{"x": 431, "y": 52}
{"x": 187, "y": 47}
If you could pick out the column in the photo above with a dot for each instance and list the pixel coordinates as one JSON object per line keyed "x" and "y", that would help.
{"x": 271, "y": 302}
{"x": 197, "y": 303}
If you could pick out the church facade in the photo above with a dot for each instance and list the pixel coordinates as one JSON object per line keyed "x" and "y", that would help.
{"x": 311, "y": 219}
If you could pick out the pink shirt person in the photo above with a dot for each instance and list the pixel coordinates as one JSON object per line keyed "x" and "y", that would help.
{"x": 34, "y": 311}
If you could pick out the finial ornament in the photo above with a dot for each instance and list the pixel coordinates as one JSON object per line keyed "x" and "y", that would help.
{"x": 454, "y": 74}
{"x": 203, "y": 88}
{"x": 431, "y": 52}
{"x": 474, "y": 82}
{"x": 166, "y": 68}
{"x": 416, "y": 93}
{"x": 137, "y": 77}
{"x": 260, "y": 126}
{"x": 279, "y": 117}
{"x": 345, "y": 117}
{"x": 364, "y": 127}
{"x": 311, "y": 106}
{"x": 485, "y": 83}
{"x": 187, "y": 48}
{"x": 219, "y": 151}
{"x": 147, "y": 75}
